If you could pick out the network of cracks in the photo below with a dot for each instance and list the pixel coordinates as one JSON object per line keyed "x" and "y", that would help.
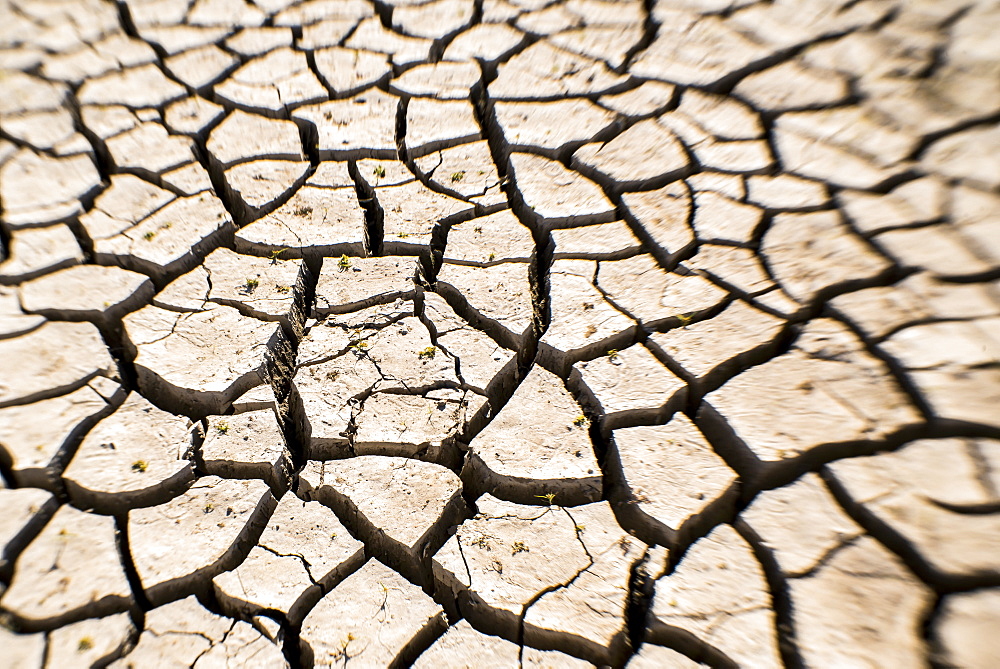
{"x": 528, "y": 333}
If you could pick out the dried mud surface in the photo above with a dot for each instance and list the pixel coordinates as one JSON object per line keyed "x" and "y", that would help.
{"x": 499, "y": 333}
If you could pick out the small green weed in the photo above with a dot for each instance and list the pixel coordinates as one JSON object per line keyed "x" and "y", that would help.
{"x": 140, "y": 466}
{"x": 549, "y": 497}
{"x": 427, "y": 353}
{"x": 457, "y": 176}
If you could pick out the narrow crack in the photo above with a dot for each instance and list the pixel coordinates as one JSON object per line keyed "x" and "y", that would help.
{"x": 781, "y": 599}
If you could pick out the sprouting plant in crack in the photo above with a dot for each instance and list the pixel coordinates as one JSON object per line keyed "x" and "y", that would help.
{"x": 359, "y": 346}
{"x": 140, "y": 466}
{"x": 427, "y": 353}
{"x": 379, "y": 171}
{"x": 580, "y": 421}
{"x": 549, "y": 497}
{"x": 613, "y": 355}
{"x": 457, "y": 176}
{"x": 276, "y": 255}
{"x": 281, "y": 289}
{"x": 344, "y": 263}
{"x": 382, "y": 609}
{"x": 85, "y": 644}
{"x": 342, "y": 650}
{"x": 519, "y": 547}
{"x": 251, "y": 285}
{"x": 493, "y": 256}
{"x": 148, "y": 235}
{"x": 222, "y": 427}
{"x": 208, "y": 507}
{"x": 685, "y": 319}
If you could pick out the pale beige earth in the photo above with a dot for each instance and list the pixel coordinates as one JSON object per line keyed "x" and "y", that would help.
{"x": 499, "y": 333}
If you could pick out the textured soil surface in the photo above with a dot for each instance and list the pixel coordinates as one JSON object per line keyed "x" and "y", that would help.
{"x": 499, "y": 333}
